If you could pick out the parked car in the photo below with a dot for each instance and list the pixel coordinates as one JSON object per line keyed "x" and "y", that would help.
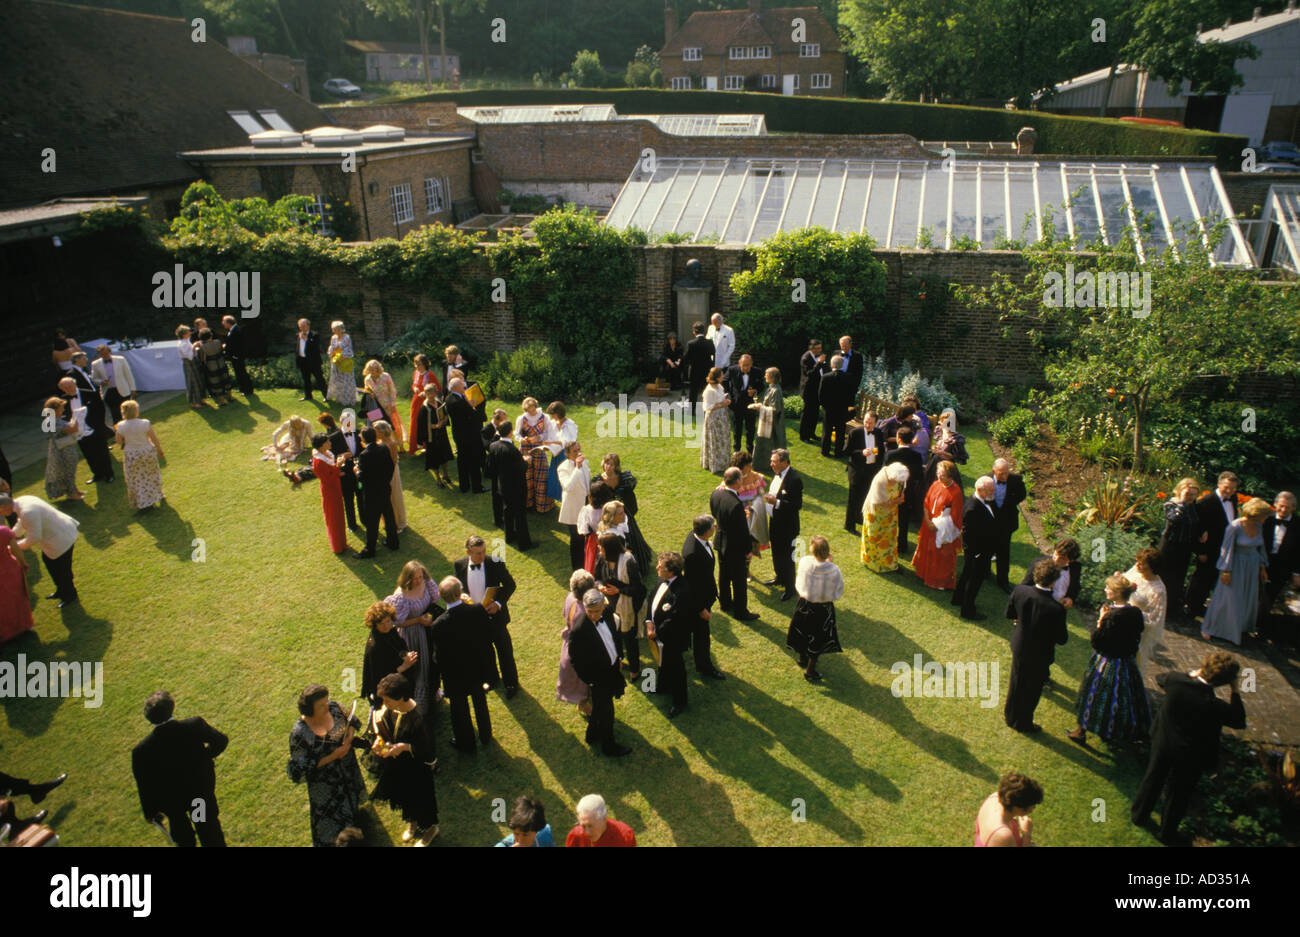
{"x": 341, "y": 88}
{"x": 1280, "y": 151}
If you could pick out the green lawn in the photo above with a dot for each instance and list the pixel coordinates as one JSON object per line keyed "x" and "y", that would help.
{"x": 235, "y": 638}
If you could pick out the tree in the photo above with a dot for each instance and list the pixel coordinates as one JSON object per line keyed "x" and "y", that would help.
{"x": 1165, "y": 43}
{"x": 586, "y": 70}
{"x": 422, "y": 13}
{"x": 914, "y": 47}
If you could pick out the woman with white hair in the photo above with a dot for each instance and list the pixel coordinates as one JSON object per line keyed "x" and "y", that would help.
{"x": 343, "y": 382}
{"x": 595, "y": 828}
{"x": 880, "y": 518}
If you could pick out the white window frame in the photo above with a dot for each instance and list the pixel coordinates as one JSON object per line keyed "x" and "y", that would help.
{"x": 681, "y": 84}
{"x": 692, "y": 54}
{"x": 733, "y": 83}
{"x": 317, "y": 210}
{"x": 762, "y": 52}
{"x": 436, "y": 185}
{"x": 769, "y": 81}
{"x": 810, "y": 50}
{"x": 399, "y": 196}
{"x": 738, "y": 53}
{"x": 820, "y": 81}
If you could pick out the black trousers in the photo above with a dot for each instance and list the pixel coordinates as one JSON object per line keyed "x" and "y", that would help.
{"x": 351, "y": 497}
{"x": 501, "y": 648}
{"x": 1024, "y": 690}
{"x": 241, "y": 375}
{"x": 1177, "y": 779}
{"x": 515, "y": 511}
{"x": 94, "y": 448}
{"x": 498, "y": 505}
{"x": 701, "y": 643}
{"x": 808, "y": 419}
{"x": 833, "y": 426}
{"x": 746, "y": 422}
{"x": 974, "y": 570}
{"x": 577, "y": 547}
{"x": 113, "y": 402}
{"x": 733, "y": 593}
{"x": 858, "y": 489}
{"x": 626, "y": 645}
{"x": 375, "y": 505}
{"x": 1173, "y": 573}
{"x": 15, "y": 787}
{"x": 905, "y": 511}
{"x": 308, "y": 375}
{"x": 182, "y": 828}
{"x": 1204, "y": 576}
{"x": 697, "y": 388}
{"x": 461, "y": 730}
{"x": 470, "y": 471}
{"x": 672, "y": 674}
{"x": 1004, "y": 557}
{"x": 783, "y": 559}
{"x": 60, "y": 570}
{"x": 600, "y": 727}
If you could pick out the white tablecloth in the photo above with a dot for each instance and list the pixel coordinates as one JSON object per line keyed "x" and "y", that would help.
{"x": 157, "y": 366}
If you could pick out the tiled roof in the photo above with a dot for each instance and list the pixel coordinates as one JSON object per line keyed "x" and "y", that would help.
{"x": 401, "y": 48}
{"x": 715, "y": 31}
{"x": 117, "y": 96}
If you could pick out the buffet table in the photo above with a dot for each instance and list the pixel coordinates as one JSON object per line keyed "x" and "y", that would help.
{"x": 157, "y": 366}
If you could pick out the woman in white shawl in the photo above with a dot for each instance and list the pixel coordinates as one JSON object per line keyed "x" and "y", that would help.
{"x": 880, "y": 518}
{"x": 812, "y": 631}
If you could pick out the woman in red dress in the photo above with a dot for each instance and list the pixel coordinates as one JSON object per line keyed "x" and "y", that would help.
{"x": 15, "y": 608}
{"x": 422, "y": 377}
{"x": 331, "y": 491}
{"x": 937, "y": 565}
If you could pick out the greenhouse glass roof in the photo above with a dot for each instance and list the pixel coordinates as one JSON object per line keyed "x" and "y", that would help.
{"x": 1282, "y": 206}
{"x": 744, "y": 201}
{"x": 537, "y": 115}
{"x": 706, "y": 125}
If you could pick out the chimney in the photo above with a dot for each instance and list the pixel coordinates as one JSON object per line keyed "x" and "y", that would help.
{"x": 1254, "y": 16}
{"x": 670, "y": 22}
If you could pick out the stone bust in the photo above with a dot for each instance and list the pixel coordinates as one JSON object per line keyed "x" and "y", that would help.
{"x": 692, "y": 280}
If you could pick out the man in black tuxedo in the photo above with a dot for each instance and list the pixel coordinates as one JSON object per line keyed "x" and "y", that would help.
{"x": 235, "y": 345}
{"x": 174, "y": 773}
{"x": 743, "y": 387}
{"x": 459, "y": 634}
{"x": 1008, "y": 493}
{"x": 836, "y": 397}
{"x": 1281, "y": 534}
{"x": 1065, "y": 588}
{"x": 466, "y": 422}
{"x": 490, "y": 432}
{"x": 306, "y": 351}
{"x": 510, "y": 482}
{"x": 852, "y": 364}
{"x": 1040, "y": 626}
{"x": 1185, "y": 738}
{"x": 670, "y": 623}
{"x": 786, "y": 499}
{"x": 375, "y": 473}
{"x": 95, "y": 446}
{"x": 734, "y": 546}
{"x": 866, "y": 448}
{"x": 812, "y": 366}
{"x": 595, "y": 657}
{"x": 345, "y": 445}
{"x": 453, "y": 360}
{"x": 96, "y": 412}
{"x": 697, "y": 566}
{"x": 699, "y": 361}
{"x": 979, "y": 531}
{"x": 477, "y": 573}
{"x": 1215, "y": 510}
{"x": 913, "y": 491}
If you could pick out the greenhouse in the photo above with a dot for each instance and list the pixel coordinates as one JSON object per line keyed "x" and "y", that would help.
{"x": 706, "y": 125}
{"x": 1282, "y": 208}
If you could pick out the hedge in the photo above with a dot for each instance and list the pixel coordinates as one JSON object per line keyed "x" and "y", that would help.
{"x": 1057, "y": 133}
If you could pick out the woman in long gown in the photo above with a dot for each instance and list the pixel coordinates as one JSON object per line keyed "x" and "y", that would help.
{"x": 416, "y": 604}
{"x": 1242, "y": 565}
{"x": 421, "y": 378}
{"x": 343, "y": 382}
{"x": 140, "y": 454}
{"x": 190, "y": 365}
{"x": 431, "y": 427}
{"x": 380, "y": 386}
{"x": 560, "y": 431}
{"x": 1150, "y": 597}
{"x": 61, "y": 456}
{"x": 331, "y": 491}
{"x": 715, "y": 437}
{"x": 212, "y": 360}
{"x": 880, "y": 518}
{"x": 752, "y": 487}
{"x": 15, "y": 606}
{"x": 1112, "y": 700}
{"x": 403, "y": 748}
{"x": 530, "y": 430}
{"x": 937, "y": 565}
{"x": 569, "y": 687}
{"x": 623, "y": 484}
{"x": 812, "y": 632}
{"x": 774, "y": 400}
{"x": 320, "y": 753}
{"x": 398, "y": 499}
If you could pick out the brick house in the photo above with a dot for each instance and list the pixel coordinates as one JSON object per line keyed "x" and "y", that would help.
{"x": 753, "y": 50}
{"x": 400, "y": 61}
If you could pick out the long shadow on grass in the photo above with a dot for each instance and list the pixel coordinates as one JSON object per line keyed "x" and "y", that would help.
{"x": 88, "y": 639}
{"x": 171, "y": 533}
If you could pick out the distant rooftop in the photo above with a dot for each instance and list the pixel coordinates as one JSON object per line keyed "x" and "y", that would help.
{"x": 678, "y": 124}
{"x": 56, "y": 216}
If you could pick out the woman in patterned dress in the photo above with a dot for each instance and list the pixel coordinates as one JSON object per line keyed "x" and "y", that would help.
{"x": 880, "y": 518}
{"x": 140, "y": 454}
{"x": 569, "y": 688}
{"x": 212, "y": 362}
{"x": 61, "y": 461}
{"x": 715, "y": 448}
{"x": 416, "y": 604}
{"x": 379, "y": 384}
{"x": 320, "y": 753}
{"x": 937, "y": 565}
{"x": 1153, "y": 601}
{"x": 343, "y": 383}
{"x": 774, "y": 400}
{"x": 289, "y": 441}
{"x": 752, "y": 487}
{"x": 388, "y": 438}
{"x": 422, "y": 377}
{"x": 190, "y": 364}
{"x": 530, "y": 430}
{"x": 1112, "y": 700}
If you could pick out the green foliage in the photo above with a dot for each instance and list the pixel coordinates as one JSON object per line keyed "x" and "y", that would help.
{"x": 272, "y": 373}
{"x": 1116, "y": 548}
{"x": 1016, "y": 424}
{"x": 879, "y": 380}
{"x": 1240, "y": 804}
{"x": 638, "y": 75}
{"x": 204, "y": 211}
{"x": 793, "y": 407}
{"x": 529, "y": 371}
{"x": 586, "y": 70}
{"x": 119, "y": 221}
{"x": 429, "y": 336}
{"x": 1113, "y": 502}
{"x": 1209, "y": 437}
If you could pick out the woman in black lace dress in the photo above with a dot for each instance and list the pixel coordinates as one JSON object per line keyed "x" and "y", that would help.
{"x": 320, "y": 753}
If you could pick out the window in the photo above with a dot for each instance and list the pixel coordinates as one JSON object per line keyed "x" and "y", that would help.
{"x": 822, "y": 81}
{"x": 247, "y": 122}
{"x": 750, "y": 52}
{"x": 735, "y": 83}
{"x": 681, "y": 84}
{"x": 795, "y": 86}
{"x": 403, "y": 209}
{"x": 769, "y": 81}
{"x": 316, "y": 209}
{"x": 810, "y": 50}
{"x": 435, "y": 194}
{"x": 692, "y": 54}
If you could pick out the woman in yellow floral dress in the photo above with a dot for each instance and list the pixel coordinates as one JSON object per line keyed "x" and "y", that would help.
{"x": 880, "y": 519}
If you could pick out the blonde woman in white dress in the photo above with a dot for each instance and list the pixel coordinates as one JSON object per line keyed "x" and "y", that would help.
{"x": 1152, "y": 599}
{"x": 140, "y": 454}
{"x": 384, "y": 430}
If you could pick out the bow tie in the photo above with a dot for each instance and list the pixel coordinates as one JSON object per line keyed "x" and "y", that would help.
{"x": 475, "y": 565}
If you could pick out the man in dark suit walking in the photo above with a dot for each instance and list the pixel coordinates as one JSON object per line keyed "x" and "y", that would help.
{"x": 510, "y": 480}
{"x": 866, "y": 448}
{"x": 460, "y": 634}
{"x": 734, "y": 546}
{"x": 235, "y": 345}
{"x": 174, "y": 773}
{"x": 345, "y": 445}
{"x": 1215, "y": 510}
{"x": 95, "y": 446}
{"x": 306, "y": 346}
{"x": 812, "y": 366}
{"x": 836, "y": 397}
{"x": 979, "y": 531}
{"x": 913, "y": 491}
{"x": 466, "y": 422}
{"x": 743, "y": 386}
{"x": 784, "y": 499}
{"x": 487, "y": 582}
{"x": 1040, "y": 626}
{"x": 698, "y": 564}
{"x": 1185, "y": 738}
{"x": 490, "y": 432}
{"x": 595, "y": 658}
{"x": 699, "y": 361}
{"x": 670, "y": 623}
{"x": 375, "y": 473}
{"x": 1008, "y": 493}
